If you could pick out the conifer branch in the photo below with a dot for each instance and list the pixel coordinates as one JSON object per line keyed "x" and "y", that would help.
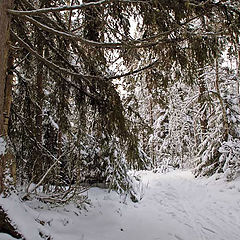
{"x": 110, "y": 45}
{"x": 49, "y": 64}
{"x": 70, "y": 8}
{"x": 135, "y": 71}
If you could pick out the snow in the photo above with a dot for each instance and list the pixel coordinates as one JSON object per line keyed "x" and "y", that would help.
{"x": 4, "y": 236}
{"x": 53, "y": 123}
{"x": 175, "y": 206}
{"x": 2, "y": 146}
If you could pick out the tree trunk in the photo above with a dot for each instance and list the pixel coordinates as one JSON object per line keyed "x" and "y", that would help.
{"x": 8, "y": 93}
{"x": 152, "y": 147}
{"x": 40, "y": 94}
{"x": 5, "y": 79}
{"x": 224, "y": 113}
{"x": 202, "y": 101}
{"x": 238, "y": 76}
{"x": 37, "y": 157}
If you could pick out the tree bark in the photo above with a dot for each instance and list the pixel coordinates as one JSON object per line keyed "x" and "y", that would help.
{"x": 5, "y": 90}
{"x": 6, "y": 78}
{"x": 8, "y": 93}
{"x": 4, "y": 49}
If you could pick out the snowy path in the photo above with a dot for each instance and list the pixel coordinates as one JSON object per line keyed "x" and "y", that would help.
{"x": 186, "y": 208}
{"x": 175, "y": 207}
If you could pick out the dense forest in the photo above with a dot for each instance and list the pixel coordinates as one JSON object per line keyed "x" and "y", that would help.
{"x": 92, "y": 89}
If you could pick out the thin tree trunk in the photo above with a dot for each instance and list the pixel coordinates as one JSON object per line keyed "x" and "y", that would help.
{"x": 9, "y": 159}
{"x": 238, "y": 76}
{"x": 224, "y": 113}
{"x": 37, "y": 157}
{"x": 39, "y": 81}
{"x": 152, "y": 147}
{"x": 201, "y": 100}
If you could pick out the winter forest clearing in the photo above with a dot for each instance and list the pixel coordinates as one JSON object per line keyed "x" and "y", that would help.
{"x": 174, "y": 206}
{"x": 94, "y": 91}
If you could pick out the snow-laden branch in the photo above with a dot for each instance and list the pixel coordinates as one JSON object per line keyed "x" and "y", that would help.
{"x": 70, "y": 8}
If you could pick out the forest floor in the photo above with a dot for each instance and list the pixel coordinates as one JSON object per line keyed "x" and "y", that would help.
{"x": 175, "y": 206}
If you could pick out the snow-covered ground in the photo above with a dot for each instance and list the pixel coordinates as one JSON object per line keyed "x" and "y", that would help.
{"x": 175, "y": 206}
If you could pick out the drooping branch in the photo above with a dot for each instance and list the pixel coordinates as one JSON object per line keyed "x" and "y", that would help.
{"x": 70, "y": 8}
{"x": 57, "y": 9}
{"x": 57, "y": 68}
{"x": 70, "y": 83}
{"x": 43, "y": 15}
{"x": 135, "y": 71}
{"x": 49, "y": 64}
{"x": 72, "y": 36}
{"x": 110, "y": 45}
